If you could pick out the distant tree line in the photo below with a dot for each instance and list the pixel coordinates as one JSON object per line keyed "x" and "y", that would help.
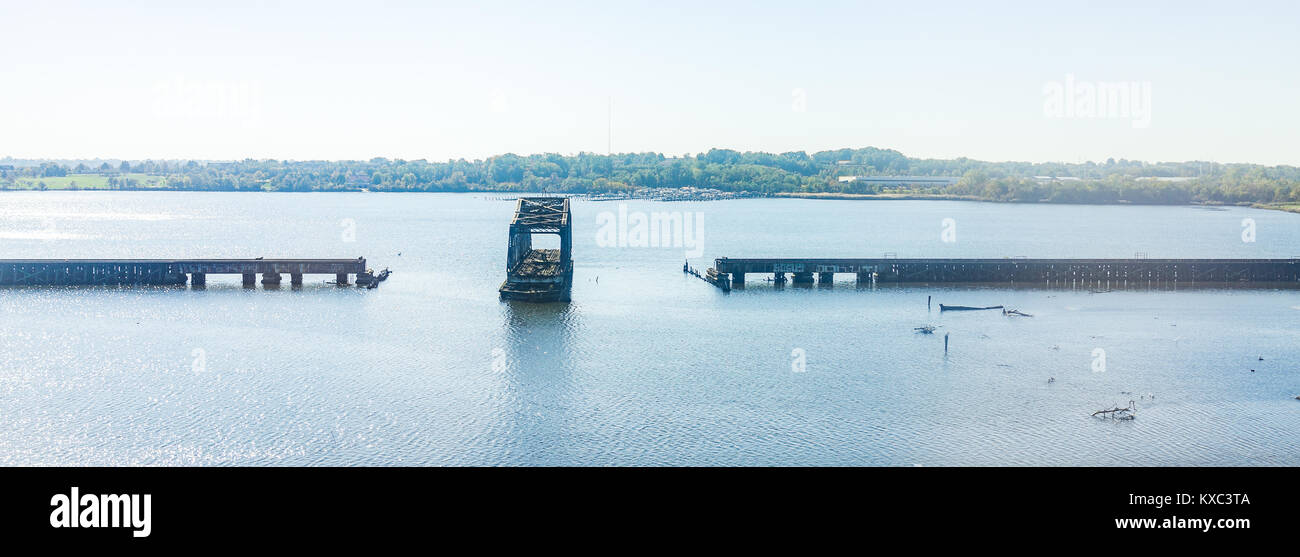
{"x": 724, "y": 169}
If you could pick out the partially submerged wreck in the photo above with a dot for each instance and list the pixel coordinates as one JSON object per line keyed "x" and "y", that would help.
{"x": 539, "y": 275}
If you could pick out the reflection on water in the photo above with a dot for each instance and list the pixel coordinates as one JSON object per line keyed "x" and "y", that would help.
{"x": 647, "y": 365}
{"x": 540, "y": 390}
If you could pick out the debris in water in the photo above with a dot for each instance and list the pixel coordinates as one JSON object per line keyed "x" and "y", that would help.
{"x": 1117, "y": 413}
{"x": 1015, "y": 312}
{"x": 927, "y": 329}
{"x": 965, "y": 308}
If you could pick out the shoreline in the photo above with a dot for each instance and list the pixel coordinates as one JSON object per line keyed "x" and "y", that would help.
{"x": 1284, "y": 207}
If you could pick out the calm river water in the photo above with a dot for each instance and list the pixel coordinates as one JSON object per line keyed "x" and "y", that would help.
{"x": 647, "y": 366}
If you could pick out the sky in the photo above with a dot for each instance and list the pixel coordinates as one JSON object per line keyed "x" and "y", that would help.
{"x": 1031, "y": 81}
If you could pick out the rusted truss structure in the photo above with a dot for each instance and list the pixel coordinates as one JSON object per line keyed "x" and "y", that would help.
{"x": 539, "y": 275}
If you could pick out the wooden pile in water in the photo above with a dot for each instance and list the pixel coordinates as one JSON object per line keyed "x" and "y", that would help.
{"x": 712, "y": 277}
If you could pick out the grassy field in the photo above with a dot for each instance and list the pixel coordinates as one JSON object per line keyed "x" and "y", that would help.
{"x": 88, "y": 182}
{"x": 1289, "y": 207}
{"x": 897, "y": 196}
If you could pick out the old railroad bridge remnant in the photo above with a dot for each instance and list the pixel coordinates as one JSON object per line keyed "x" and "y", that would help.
{"x": 56, "y": 272}
{"x": 730, "y": 273}
{"x": 539, "y": 275}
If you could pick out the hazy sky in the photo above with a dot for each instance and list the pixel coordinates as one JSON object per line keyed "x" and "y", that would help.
{"x": 229, "y": 80}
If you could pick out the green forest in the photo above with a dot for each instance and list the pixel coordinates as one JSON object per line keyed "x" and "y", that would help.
{"x": 1111, "y": 181}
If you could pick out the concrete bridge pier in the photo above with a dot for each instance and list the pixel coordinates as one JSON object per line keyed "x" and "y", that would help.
{"x": 271, "y": 278}
{"x": 198, "y": 280}
{"x": 737, "y": 280}
{"x": 250, "y": 280}
{"x": 778, "y": 278}
{"x": 295, "y": 279}
{"x": 802, "y": 278}
{"x": 341, "y": 279}
{"x": 826, "y": 278}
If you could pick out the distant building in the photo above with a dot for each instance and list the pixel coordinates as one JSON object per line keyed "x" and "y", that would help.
{"x": 358, "y": 179}
{"x": 1166, "y": 178}
{"x": 1050, "y": 179}
{"x": 901, "y": 180}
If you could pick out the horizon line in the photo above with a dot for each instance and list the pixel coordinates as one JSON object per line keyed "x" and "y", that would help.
{"x": 616, "y": 154}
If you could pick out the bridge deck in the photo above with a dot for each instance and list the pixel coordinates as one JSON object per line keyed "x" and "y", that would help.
{"x": 165, "y": 271}
{"x": 993, "y": 270}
